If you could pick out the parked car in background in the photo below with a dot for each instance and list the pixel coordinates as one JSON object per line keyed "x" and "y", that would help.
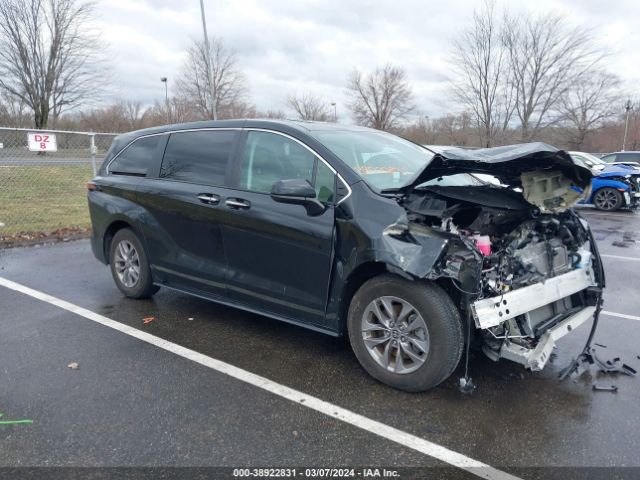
{"x": 622, "y": 158}
{"x": 352, "y": 231}
{"x": 614, "y": 186}
{"x": 589, "y": 160}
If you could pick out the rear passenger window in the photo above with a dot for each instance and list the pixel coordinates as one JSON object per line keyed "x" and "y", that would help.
{"x": 198, "y": 157}
{"x": 139, "y": 158}
{"x": 269, "y": 157}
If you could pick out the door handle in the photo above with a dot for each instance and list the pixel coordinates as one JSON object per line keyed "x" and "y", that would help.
{"x": 209, "y": 198}
{"x": 238, "y": 203}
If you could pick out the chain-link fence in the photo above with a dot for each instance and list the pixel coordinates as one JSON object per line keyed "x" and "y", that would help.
{"x": 43, "y": 176}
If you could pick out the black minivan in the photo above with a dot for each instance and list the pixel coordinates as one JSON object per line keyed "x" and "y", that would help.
{"x": 346, "y": 230}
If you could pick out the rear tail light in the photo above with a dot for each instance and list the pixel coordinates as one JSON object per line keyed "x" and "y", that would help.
{"x": 91, "y": 186}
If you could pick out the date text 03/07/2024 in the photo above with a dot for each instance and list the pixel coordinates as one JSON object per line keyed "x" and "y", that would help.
{"x": 315, "y": 473}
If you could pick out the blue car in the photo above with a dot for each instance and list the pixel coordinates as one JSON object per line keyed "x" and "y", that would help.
{"x": 613, "y": 186}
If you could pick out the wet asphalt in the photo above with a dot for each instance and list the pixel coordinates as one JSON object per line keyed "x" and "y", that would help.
{"x": 133, "y": 404}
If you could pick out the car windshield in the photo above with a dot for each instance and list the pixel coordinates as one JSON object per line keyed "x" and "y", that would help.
{"x": 579, "y": 161}
{"x": 623, "y": 157}
{"x": 383, "y": 160}
{"x": 587, "y": 160}
{"x": 590, "y": 160}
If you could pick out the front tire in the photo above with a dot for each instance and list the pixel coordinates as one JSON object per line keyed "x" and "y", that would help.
{"x": 608, "y": 199}
{"x": 130, "y": 266}
{"x": 406, "y": 334}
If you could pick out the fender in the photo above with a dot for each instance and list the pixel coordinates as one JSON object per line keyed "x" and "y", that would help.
{"x": 403, "y": 248}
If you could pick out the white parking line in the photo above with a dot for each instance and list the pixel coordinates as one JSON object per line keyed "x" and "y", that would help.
{"x": 390, "y": 433}
{"x": 619, "y": 257}
{"x": 620, "y": 315}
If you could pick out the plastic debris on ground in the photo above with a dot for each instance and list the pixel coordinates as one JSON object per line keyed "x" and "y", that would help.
{"x": 73, "y": 366}
{"x": 605, "y": 388}
{"x": 614, "y": 365}
{"x": 148, "y": 320}
{"x": 605, "y": 367}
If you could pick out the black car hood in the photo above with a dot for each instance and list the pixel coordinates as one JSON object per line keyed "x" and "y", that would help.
{"x": 506, "y": 163}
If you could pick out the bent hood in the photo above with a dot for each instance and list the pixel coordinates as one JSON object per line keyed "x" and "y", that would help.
{"x": 548, "y": 177}
{"x": 506, "y": 163}
{"x": 618, "y": 171}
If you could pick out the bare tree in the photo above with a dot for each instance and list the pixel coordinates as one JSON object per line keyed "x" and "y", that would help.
{"x": 48, "y": 57}
{"x": 381, "y": 98}
{"x": 588, "y": 103}
{"x": 546, "y": 56}
{"x": 310, "y": 107}
{"x": 13, "y": 111}
{"x": 482, "y": 66}
{"x": 276, "y": 114}
{"x": 228, "y": 90}
{"x": 177, "y": 109}
{"x": 454, "y": 130}
{"x": 109, "y": 118}
{"x": 133, "y": 112}
{"x": 241, "y": 109}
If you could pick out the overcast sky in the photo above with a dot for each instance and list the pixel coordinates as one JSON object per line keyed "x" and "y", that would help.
{"x": 286, "y": 46}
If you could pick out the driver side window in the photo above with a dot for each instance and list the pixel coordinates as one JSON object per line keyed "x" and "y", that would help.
{"x": 269, "y": 157}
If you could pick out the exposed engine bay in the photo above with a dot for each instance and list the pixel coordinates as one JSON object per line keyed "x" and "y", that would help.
{"x": 521, "y": 266}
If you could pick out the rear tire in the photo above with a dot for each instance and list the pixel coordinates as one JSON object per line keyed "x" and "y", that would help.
{"x": 608, "y": 199}
{"x": 130, "y": 266}
{"x": 412, "y": 350}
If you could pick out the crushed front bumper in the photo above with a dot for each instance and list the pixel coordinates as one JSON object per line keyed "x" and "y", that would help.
{"x": 537, "y": 358}
{"x": 633, "y": 199}
{"x": 490, "y": 312}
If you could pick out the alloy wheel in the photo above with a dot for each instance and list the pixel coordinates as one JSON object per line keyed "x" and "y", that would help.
{"x": 395, "y": 334}
{"x": 606, "y": 199}
{"x": 127, "y": 263}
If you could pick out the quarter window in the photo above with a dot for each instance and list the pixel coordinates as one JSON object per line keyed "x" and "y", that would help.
{"x": 269, "y": 157}
{"x": 198, "y": 157}
{"x": 325, "y": 184}
{"x": 139, "y": 158}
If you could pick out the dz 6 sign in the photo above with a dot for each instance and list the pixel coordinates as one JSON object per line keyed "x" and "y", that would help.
{"x": 42, "y": 142}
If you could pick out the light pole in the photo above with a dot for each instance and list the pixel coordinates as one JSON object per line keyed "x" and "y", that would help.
{"x": 166, "y": 97}
{"x": 335, "y": 112}
{"x": 207, "y": 58}
{"x": 426, "y": 128}
{"x": 627, "y": 107}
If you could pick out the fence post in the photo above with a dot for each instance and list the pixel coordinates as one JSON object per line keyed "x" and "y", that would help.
{"x": 93, "y": 153}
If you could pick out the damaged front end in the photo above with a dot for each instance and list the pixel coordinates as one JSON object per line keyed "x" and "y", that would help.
{"x": 521, "y": 263}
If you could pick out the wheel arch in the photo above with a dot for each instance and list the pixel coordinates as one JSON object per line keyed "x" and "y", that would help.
{"x": 361, "y": 274}
{"x": 110, "y": 232}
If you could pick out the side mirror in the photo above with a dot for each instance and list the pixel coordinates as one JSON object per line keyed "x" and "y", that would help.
{"x": 297, "y": 191}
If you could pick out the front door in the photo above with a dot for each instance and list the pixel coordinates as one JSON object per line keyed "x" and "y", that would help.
{"x": 279, "y": 256}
